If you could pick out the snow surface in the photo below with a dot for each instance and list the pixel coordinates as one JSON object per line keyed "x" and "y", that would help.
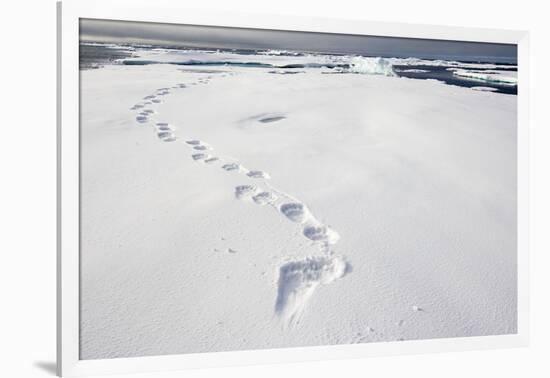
{"x": 484, "y": 89}
{"x": 413, "y": 70}
{"x": 233, "y": 209}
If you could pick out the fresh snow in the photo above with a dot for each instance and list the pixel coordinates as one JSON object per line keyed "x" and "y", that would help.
{"x": 232, "y": 209}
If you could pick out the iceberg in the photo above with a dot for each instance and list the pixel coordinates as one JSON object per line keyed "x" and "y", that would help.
{"x": 376, "y": 66}
{"x": 498, "y": 77}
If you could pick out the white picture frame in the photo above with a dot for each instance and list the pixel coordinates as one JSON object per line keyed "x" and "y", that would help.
{"x": 171, "y": 11}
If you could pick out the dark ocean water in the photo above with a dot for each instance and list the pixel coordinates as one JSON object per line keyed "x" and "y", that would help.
{"x": 96, "y": 55}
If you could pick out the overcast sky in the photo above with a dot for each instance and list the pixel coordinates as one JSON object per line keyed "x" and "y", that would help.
{"x": 222, "y": 37}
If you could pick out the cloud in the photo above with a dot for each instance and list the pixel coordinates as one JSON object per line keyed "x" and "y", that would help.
{"x": 237, "y": 38}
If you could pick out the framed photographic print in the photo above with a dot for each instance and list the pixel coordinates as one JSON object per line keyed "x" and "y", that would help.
{"x": 240, "y": 189}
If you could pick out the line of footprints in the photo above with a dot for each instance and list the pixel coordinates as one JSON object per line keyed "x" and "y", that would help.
{"x": 297, "y": 279}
